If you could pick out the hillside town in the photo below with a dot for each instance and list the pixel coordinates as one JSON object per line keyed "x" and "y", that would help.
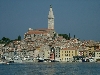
{"x": 46, "y": 45}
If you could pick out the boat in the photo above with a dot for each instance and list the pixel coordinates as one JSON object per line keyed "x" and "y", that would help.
{"x": 40, "y": 60}
{"x": 2, "y": 62}
{"x": 91, "y": 60}
{"x": 27, "y": 59}
{"x": 17, "y": 59}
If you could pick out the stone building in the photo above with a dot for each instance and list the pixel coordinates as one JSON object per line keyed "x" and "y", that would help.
{"x": 57, "y": 53}
{"x": 51, "y": 19}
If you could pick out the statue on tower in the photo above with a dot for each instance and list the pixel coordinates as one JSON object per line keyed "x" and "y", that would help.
{"x": 50, "y": 6}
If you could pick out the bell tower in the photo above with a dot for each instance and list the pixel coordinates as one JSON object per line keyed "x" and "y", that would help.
{"x": 50, "y": 19}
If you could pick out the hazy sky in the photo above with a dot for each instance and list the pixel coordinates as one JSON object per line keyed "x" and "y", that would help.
{"x": 79, "y": 17}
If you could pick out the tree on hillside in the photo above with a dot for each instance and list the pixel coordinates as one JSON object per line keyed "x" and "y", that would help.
{"x": 64, "y": 36}
{"x": 19, "y": 38}
{"x": 69, "y": 37}
{"x": 5, "y": 40}
{"x": 74, "y": 36}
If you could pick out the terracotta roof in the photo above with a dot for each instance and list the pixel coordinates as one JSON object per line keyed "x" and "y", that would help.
{"x": 36, "y": 32}
{"x": 97, "y": 51}
{"x": 44, "y": 29}
{"x": 68, "y": 49}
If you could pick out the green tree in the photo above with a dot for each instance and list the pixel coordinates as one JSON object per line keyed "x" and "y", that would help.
{"x": 64, "y": 36}
{"x": 69, "y": 37}
{"x": 5, "y": 40}
{"x": 74, "y": 36}
{"x": 19, "y": 38}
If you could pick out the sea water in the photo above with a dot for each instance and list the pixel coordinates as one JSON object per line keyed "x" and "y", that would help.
{"x": 50, "y": 69}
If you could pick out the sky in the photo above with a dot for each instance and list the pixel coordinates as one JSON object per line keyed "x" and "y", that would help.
{"x": 77, "y": 17}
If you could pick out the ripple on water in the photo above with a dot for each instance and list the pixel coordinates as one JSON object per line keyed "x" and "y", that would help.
{"x": 51, "y": 69}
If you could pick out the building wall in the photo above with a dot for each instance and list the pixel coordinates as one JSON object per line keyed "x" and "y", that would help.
{"x": 52, "y": 32}
{"x": 52, "y": 56}
{"x": 36, "y": 53}
{"x": 30, "y": 53}
{"x": 86, "y": 52}
{"x": 97, "y": 55}
{"x": 90, "y": 48}
{"x": 57, "y": 53}
{"x": 81, "y": 53}
{"x": 11, "y": 54}
{"x": 41, "y": 54}
{"x": 67, "y": 54}
{"x": 46, "y": 50}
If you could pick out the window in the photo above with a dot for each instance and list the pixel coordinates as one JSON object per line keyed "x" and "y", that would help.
{"x": 69, "y": 51}
{"x": 72, "y": 51}
{"x": 66, "y": 54}
{"x": 59, "y": 55}
{"x": 56, "y": 55}
{"x": 65, "y": 51}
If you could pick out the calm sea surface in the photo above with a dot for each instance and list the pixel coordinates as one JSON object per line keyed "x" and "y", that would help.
{"x": 51, "y": 69}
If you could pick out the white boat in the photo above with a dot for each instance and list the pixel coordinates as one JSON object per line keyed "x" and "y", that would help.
{"x": 2, "y": 62}
{"x": 17, "y": 59}
{"x": 27, "y": 59}
{"x": 91, "y": 60}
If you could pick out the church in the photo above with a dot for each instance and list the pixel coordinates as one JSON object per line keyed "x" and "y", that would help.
{"x": 33, "y": 34}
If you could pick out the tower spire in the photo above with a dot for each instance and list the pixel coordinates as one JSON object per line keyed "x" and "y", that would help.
{"x": 50, "y": 19}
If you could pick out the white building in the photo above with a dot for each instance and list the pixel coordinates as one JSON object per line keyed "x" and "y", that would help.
{"x": 97, "y": 55}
